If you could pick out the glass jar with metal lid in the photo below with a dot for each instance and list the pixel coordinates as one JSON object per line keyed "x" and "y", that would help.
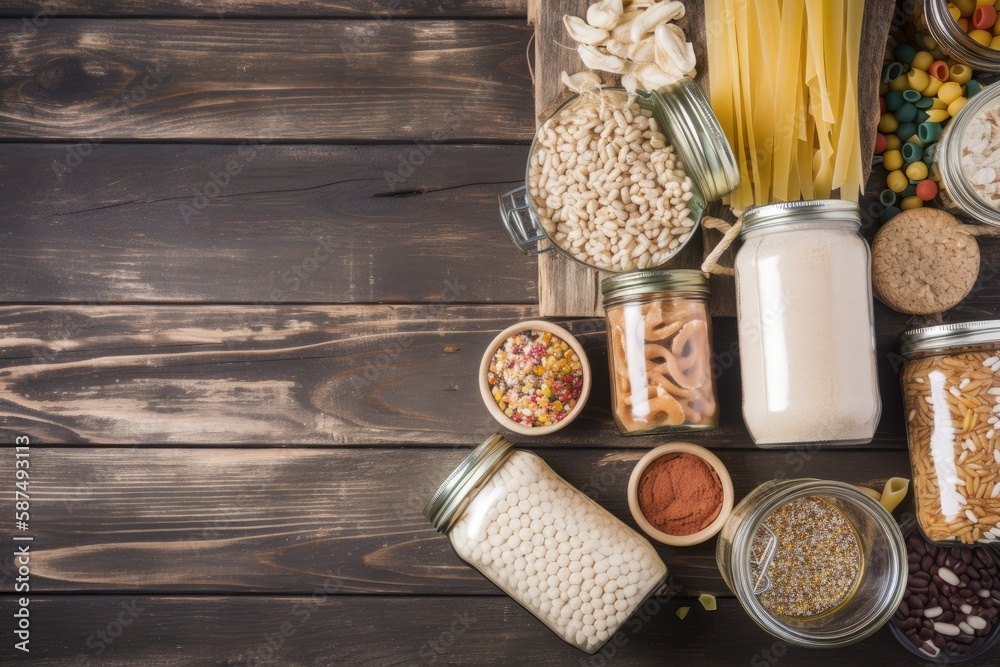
{"x": 951, "y": 394}
{"x": 555, "y": 551}
{"x": 938, "y": 32}
{"x": 696, "y": 146}
{"x": 660, "y": 351}
{"x": 815, "y": 563}
{"x": 805, "y": 319}
{"x": 965, "y": 186}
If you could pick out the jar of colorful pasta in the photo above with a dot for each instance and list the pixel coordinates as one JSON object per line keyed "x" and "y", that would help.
{"x": 951, "y": 393}
{"x": 660, "y": 351}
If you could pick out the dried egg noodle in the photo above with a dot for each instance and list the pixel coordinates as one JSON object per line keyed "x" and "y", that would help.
{"x": 784, "y": 88}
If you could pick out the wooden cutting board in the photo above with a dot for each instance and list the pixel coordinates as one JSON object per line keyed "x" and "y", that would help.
{"x": 569, "y": 289}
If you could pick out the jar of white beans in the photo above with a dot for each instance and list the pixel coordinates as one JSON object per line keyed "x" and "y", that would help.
{"x": 555, "y": 551}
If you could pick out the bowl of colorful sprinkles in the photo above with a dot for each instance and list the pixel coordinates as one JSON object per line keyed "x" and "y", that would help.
{"x": 535, "y": 378}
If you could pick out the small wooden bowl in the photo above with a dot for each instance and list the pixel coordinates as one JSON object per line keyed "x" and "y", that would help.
{"x": 694, "y": 538}
{"x": 484, "y": 385}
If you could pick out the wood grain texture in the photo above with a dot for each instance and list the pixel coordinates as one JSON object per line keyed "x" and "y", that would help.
{"x": 259, "y": 223}
{"x": 323, "y": 629}
{"x": 291, "y": 520}
{"x": 288, "y": 375}
{"x": 287, "y": 80}
{"x": 227, "y": 9}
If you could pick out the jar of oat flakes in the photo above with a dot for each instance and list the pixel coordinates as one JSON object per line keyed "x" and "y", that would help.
{"x": 951, "y": 394}
{"x": 968, "y": 158}
{"x": 556, "y": 552}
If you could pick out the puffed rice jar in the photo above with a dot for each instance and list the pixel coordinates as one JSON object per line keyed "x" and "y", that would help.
{"x": 556, "y": 552}
{"x": 966, "y": 163}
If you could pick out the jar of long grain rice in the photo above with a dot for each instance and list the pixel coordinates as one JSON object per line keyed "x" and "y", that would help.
{"x": 951, "y": 394}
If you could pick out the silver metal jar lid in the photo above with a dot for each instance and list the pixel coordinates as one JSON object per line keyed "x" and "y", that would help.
{"x": 818, "y": 210}
{"x": 454, "y": 494}
{"x": 638, "y": 283}
{"x": 694, "y": 131}
{"x": 949, "y": 336}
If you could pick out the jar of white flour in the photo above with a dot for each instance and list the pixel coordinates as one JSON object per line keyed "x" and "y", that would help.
{"x": 804, "y": 308}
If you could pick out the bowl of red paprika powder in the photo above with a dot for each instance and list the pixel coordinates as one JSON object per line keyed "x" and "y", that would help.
{"x": 680, "y": 494}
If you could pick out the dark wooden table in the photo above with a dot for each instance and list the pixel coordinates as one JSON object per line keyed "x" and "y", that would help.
{"x": 250, "y": 258}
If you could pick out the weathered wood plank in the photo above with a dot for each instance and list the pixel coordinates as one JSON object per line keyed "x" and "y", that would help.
{"x": 291, "y": 520}
{"x": 286, "y": 80}
{"x": 39, "y": 11}
{"x": 302, "y": 375}
{"x": 324, "y": 629}
{"x": 259, "y": 223}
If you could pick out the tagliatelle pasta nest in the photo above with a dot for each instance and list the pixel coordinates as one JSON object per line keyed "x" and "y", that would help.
{"x": 668, "y": 381}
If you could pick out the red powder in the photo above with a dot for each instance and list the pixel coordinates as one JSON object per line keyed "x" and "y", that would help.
{"x": 680, "y": 494}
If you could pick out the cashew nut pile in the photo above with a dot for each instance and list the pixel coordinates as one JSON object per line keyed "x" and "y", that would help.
{"x": 673, "y": 384}
{"x": 981, "y": 155}
{"x": 634, "y": 39}
{"x": 606, "y": 186}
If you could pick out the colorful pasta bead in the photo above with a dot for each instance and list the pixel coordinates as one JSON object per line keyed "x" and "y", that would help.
{"x": 893, "y": 100}
{"x": 927, "y": 189}
{"x": 938, "y": 115}
{"x": 880, "y": 143}
{"x": 933, "y": 86}
{"x": 922, "y": 60}
{"x": 912, "y": 202}
{"x": 906, "y": 130}
{"x": 897, "y": 181}
{"x": 984, "y": 17}
{"x": 888, "y": 213}
{"x": 892, "y": 160}
{"x": 888, "y": 123}
{"x": 950, "y": 91}
{"x": 892, "y": 142}
{"x": 972, "y": 88}
{"x": 965, "y": 7}
{"x": 911, "y": 152}
{"x": 960, "y": 73}
{"x": 906, "y": 112}
{"x": 938, "y": 70}
{"x": 904, "y": 53}
{"x": 929, "y": 132}
{"x": 956, "y": 106}
{"x": 916, "y": 171}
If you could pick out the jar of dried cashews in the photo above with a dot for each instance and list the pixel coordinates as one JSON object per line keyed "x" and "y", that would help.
{"x": 660, "y": 351}
{"x": 951, "y": 393}
{"x": 555, "y": 551}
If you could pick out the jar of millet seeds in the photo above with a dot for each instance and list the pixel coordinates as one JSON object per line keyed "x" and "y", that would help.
{"x": 560, "y": 555}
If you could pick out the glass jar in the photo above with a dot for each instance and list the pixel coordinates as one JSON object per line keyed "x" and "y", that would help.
{"x": 660, "y": 351}
{"x": 806, "y": 332}
{"x": 938, "y": 32}
{"x": 956, "y": 168}
{"x": 802, "y": 521}
{"x": 552, "y": 549}
{"x": 685, "y": 117}
{"x": 951, "y": 394}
